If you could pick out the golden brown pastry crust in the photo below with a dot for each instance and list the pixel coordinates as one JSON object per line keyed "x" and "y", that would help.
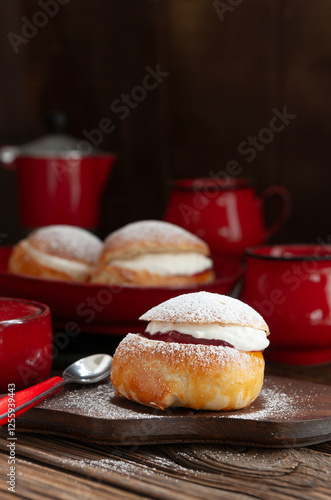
{"x": 148, "y": 237}
{"x": 162, "y": 374}
{"x": 71, "y": 244}
{"x": 21, "y": 262}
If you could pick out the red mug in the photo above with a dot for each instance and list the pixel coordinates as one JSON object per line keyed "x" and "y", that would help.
{"x": 226, "y": 213}
{"x": 57, "y": 182}
{"x": 290, "y": 286}
{"x": 26, "y": 341}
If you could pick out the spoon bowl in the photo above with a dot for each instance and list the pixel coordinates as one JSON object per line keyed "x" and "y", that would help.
{"x": 88, "y": 370}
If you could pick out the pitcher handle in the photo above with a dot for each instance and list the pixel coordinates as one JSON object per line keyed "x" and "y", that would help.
{"x": 283, "y": 198}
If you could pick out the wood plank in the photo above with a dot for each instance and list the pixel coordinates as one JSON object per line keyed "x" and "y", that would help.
{"x": 40, "y": 482}
{"x": 288, "y": 413}
{"x": 179, "y": 471}
{"x": 222, "y": 86}
{"x": 304, "y": 155}
{"x": 225, "y": 78}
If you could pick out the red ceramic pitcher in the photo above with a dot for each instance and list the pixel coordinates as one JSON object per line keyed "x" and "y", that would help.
{"x": 226, "y": 213}
{"x": 60, "y": 180}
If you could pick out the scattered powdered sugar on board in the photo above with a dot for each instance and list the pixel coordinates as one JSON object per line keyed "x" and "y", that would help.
{"x": 276, "y": 403}
{"x": 96, "y": 401}
{"x": 206, "y": 307}
{"x": 68, "y": 242}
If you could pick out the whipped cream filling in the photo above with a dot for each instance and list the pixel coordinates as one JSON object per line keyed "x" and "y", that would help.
{"x": 243, "y": 338}
{"x": 72, "y": 268}
{"x": 167, "y": 264}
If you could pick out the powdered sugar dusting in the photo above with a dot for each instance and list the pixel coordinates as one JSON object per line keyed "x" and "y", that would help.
{"x": 277, "y": 402}
{"x": 206, "y": 307}
{"x": 67, "y": 241}
{"x": 154, "y": 231}
{"x": 200, "y": 357}
{"x": 93, "y": 401}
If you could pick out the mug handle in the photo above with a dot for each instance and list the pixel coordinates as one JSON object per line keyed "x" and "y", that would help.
{"x": 283, "y": 199}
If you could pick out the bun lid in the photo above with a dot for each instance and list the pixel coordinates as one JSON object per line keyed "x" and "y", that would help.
{"x": 68, "y": 242}
{"x": 206, "y": 308}
{"x": 148, "y": 236}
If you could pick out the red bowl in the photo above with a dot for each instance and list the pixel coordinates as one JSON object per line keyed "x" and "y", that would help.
{"x": 26, "y": 343}
{"x": 105, "y": 309}
{"x": 290, "y": 286}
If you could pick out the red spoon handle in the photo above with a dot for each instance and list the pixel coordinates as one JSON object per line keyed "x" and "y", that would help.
{"x": 9, "y": 403}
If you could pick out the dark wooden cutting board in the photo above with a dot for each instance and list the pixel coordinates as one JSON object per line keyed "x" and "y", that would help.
{"x": 288, "y": 413}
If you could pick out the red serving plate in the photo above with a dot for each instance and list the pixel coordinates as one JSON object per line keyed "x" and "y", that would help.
{"x": 102, "y": 308}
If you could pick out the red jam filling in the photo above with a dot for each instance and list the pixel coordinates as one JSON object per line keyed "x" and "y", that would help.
{"x": 184, "y": 338}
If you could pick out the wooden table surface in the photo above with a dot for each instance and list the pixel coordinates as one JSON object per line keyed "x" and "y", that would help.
{"x": 62, "y": 468}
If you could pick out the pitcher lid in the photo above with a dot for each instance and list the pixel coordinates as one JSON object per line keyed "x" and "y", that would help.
{"x": 58, "y": 145}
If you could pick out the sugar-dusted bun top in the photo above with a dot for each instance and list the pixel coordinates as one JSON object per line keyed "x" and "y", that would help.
{"x": 67, "y": 242}
{"x": 206, "y": 308}
{"x": 150, "y": 236}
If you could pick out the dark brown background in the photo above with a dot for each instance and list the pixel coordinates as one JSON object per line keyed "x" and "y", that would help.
{"x": 225, "y": 77}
